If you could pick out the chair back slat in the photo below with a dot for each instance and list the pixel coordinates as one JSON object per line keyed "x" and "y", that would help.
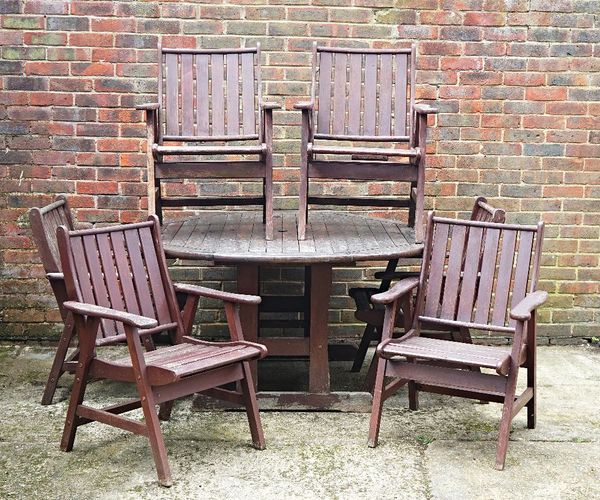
{"x": 172, "y": 95}
{"x": 202, "y": 95}
{"x": 504, "y": 277}
{"x": 123, "y": 270}
{"x": 453, "y": 273}
{"x": 97, "y": 273}
{"x": 339, "y": 93}
{"x": 157, "y": 286}
{"x": 522, "y": 270}
{"x": 248, "y": 114}
{"x": 370, "y": 111}
{"x": 400, "y": 102}
{"x": 209, "y": 95}
{"x": 187, "y": 95}
{"x": 323, "y": 118}
{"x": 233, "y": 93}
{"x": 218, "y": 94}
{"x": 436, "y": 268}
{"x": 486, "y": 270}
{"x": 363, "y": 94}
{"x": 385, "y": 95}
{"x": 110, "y": 275}
{"x": 354, "y": 94}
{"x": 120, "y": 268}
{"x": 470, "y": 274}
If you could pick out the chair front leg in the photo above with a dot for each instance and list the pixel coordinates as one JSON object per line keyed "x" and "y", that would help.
{"x": 86, "y": 331}
{"x": 251, "y": 404}
{"x": 148, "y": 406}
{"x": 377, "y": 408}
{"x": 531, "y": 370}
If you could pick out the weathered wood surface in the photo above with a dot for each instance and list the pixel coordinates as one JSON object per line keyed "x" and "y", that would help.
{"x": 331, "y": 237}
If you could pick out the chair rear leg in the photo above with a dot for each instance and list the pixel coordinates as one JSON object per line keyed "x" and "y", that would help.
{"x": 249, "y": 395}
{"x": 363, "y": 347}
{"x": 77, "y": 394}
{"x": 59, "y": 358}
{"x": 413, "y": 393}
{"x": 375, "y": 421}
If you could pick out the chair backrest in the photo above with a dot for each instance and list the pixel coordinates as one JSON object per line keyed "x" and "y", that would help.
{"x": 44, "y": 222}
{"x": 363, "y": 94}
{"x": 484, "y": 212}
{"x": 122, "y": 267}
{"x": 474, "y": 272}
{"x": 209, "y": 95}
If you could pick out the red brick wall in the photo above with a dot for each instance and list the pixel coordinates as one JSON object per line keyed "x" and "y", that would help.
{"x": 517, "y": 83}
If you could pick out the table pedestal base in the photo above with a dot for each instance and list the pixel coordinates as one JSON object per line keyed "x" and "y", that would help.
{"x": 355, "y": 402}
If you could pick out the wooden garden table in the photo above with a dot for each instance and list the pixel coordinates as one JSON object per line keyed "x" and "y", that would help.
{"x": 332, "y": 238}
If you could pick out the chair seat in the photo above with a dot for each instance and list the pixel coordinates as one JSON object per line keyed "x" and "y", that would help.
{"x": 458, "y": 353}
{"x": 363, "y": 151}
{"x": 169, "y": 364}
{"x": 209, "y": 150}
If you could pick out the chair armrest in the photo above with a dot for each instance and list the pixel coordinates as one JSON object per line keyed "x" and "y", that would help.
{"x": 149, "y": 106}
{"x": 270, "y": 105}
{"x": 55, "y": 276}
{"x": 217, "y": 294}
{"x": 304, "y": 105}
{"x": 425, "y": 109}
{"x": 522, "y": 311}
{"x": 398, "y": 290}
{"x": 396, "y": 275}
{"x": 108, "y": 313}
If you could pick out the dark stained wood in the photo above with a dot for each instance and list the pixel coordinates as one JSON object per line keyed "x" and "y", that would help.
{"x": 373, "y": 317}
{"x": 132, "y": 256}
{"x": 354, "y": 238}
{"x": 320, "y": 289}
{"x": 332, "y": 237}
{"x": 207, "y": 97}
{"x": 454, "y": 368}
{"x": 347, "y": 106}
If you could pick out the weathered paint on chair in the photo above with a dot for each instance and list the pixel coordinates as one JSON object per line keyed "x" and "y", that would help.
{"x": 492, "y": 289}
{"x": 117, "y": 281}
{"x": 365, "y": 95}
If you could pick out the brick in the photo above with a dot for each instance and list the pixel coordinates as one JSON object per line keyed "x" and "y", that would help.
{"x": 546, "y": 94}
{"x": 45, "y": 38}
{"x": 20, "y": 53}
{"x": 10, "y": 7}
{"x": 46, "y": 7}
{"x": 25, "y": 83}
{"x": 69, "y": 23}
{"x": 91, "y": 39}
{"x": 23, "y": 22}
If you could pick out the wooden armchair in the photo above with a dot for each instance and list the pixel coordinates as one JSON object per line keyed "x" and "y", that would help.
{"x": 117, "y": 278}
{"x": 210, "y": 98}
{"x": 495, "y": 292}
{"x": 372, "y": 314}
{"x": 363, "y": 95}
{"x": 44, "y": 223}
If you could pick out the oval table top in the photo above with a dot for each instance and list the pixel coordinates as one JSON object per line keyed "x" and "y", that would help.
{"x": 331, "y": 237}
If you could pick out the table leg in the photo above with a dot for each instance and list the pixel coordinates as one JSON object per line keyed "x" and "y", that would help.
{"x": 320, "y": 291}
{"x": 248, "y": 282}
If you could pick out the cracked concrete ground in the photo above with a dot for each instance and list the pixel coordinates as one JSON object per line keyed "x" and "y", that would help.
{"x": 444, "y": 450}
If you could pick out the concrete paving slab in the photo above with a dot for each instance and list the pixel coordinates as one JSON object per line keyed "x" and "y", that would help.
{"x": 459, "y": 470}
{"x": 444, "y": 450}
